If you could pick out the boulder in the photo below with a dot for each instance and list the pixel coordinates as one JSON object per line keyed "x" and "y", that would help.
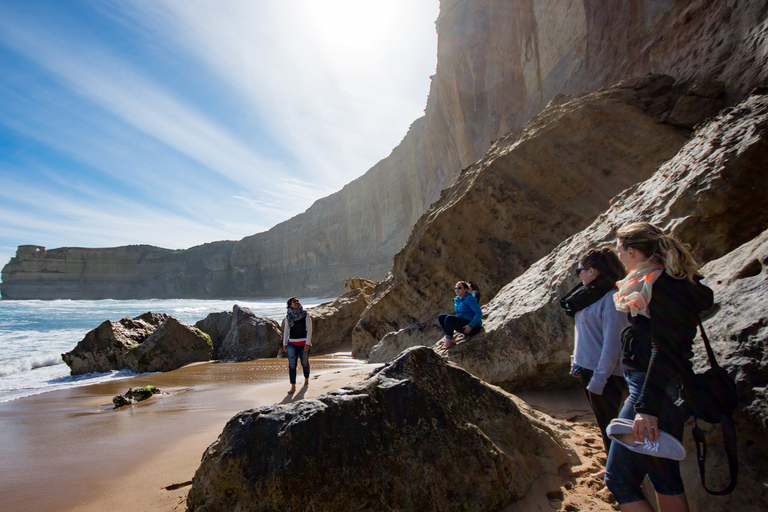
{"x": 418, "y": 434}
{"x": 172, "y": 345}
{"x": 148, "y": 343}
{"x": 250, "y": 337}
{"x": 103, "y": 349}
{"x": 701, "y": 102}
{"x": 418, "y": 333}
{"x": 534, "y": 188}
{"x": 216, "y": 325}
{"x": 333, "y": 322}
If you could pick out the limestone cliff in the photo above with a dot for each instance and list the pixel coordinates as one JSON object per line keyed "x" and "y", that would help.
{"x": 499, "y": 63}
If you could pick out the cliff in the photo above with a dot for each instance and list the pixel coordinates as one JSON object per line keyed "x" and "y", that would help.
{"x": 499, "y": 64}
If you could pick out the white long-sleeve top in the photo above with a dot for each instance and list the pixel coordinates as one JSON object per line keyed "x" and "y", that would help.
{"x": 287, "y": 332}
{"x": 597, "y": 346}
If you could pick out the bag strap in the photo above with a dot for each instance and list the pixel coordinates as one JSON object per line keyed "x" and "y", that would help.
{"x": 710, "y": 352}
{"x": 729, "y": 439}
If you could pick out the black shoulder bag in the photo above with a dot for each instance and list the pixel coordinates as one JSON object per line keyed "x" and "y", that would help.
{"x": 712, "y": 396}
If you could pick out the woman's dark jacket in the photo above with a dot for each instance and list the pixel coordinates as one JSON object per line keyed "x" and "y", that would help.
{"x": 662, "y": 345}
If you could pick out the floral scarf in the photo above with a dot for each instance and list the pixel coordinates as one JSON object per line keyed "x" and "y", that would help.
{"x": 295, "y": 314}
{"x": 635, "y": 291}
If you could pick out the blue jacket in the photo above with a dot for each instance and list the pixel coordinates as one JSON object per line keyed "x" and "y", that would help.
{"x": 469, "y": 309}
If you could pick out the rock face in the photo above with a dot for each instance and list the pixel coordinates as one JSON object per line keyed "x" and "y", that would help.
{"x": 393, "y": 441}
{"x": 534, "y": 188}
{"x": 527, "y": 339}
{"x": 148, "y": 343}
{"x": 499, "y": 64}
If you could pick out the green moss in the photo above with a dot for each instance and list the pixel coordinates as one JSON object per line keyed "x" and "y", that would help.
{"x": 203, "y": 335}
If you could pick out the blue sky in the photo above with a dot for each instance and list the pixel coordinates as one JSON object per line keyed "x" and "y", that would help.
{"x": 179, "y": 122}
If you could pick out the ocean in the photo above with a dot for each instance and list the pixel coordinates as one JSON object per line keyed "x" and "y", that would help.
{"x": 34, "y": 334}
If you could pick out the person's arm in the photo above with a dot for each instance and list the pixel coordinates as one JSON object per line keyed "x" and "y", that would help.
{"x": 284, "y": 325}
{"x": 613, "y": 321}
{"x": 309, "y": 330}
{"x": 475, "y": 307}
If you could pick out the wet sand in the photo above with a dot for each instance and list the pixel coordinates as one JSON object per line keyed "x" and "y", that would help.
{"x": 71, "y": 450}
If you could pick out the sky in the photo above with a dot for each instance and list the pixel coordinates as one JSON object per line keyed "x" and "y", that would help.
{"x": 179, "y": 122}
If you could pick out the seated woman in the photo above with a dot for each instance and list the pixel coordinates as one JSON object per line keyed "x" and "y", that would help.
{"x": 468, "y": 317}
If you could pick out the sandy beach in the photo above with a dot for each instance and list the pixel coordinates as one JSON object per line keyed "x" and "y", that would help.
{"x": 72, "y": 451}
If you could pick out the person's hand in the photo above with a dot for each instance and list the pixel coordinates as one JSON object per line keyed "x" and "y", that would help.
{"x": 645, "y": 423}
{"x": 467, "y": 329}
{"x": 285, "y": 348}
{"x": 306, "y": 348}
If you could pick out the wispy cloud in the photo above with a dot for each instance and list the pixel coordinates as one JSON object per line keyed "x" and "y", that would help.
{"x": 213, "y": 120}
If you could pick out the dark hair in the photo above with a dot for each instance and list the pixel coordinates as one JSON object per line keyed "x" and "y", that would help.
{"x": 291, "y": 300}
{"x": 473, "y": 286}
{"x": 661, "y": 249}
{"x": 464, "y": 284}
{"x": 605, "y": 260}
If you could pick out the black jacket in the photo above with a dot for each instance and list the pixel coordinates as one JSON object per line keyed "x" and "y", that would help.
{"x": 662, "y": 345}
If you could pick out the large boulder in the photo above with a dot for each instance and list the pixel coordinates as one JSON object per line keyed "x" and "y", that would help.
{"x": 103, "y": 349}
{"x": 172, "y": 345}
{"x": 216, "y": 325}
{"x": 418, "y": 434}
{"x": 250, "y": 337}
{"x": 534, "y": 188}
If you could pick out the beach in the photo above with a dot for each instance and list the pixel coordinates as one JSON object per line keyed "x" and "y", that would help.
{"x": 70, "y": 450}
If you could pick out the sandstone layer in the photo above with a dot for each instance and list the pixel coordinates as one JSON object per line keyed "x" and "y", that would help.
{"x": 499, "y": 64}
{"x": 419, "y": 434}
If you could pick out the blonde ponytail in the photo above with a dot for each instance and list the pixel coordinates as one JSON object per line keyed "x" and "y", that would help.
{"x": 662, "y": 250}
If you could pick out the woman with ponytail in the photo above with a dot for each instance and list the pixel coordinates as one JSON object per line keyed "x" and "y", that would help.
{"x": 662, "y": 297}
{"x": 597, "y": 346}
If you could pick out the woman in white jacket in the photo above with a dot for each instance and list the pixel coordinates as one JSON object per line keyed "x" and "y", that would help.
{"x": 596, "y": 355}
{"x": 297, "y": 340}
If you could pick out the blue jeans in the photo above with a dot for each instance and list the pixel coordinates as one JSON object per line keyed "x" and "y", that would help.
{"x": 296, "y": 352}
{"x": 451, "y": 323}
{"x": 625, "y": 470}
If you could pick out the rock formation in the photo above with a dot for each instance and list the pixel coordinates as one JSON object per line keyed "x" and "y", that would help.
{"x": 148, "y": 343}
{"x": 534, "y": 188}
{"x": 419, "y": 434}
{"x": 499, "y": 64}
{"x": 249, "y": 337}
{"x": 710, "y": 194}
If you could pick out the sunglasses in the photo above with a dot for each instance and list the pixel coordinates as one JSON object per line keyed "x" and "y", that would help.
{"x": 580, "y": 270}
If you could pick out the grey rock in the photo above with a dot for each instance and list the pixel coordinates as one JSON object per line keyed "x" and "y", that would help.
{"x": 418, "y": 434}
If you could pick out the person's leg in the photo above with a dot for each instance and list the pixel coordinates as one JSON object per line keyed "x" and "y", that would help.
{"x": 606, "y": 406}
{"x": 676, "y": 503}
{"x": 293, "y": 355}
{"x": 625, "y": 469}
{"x": 305, "y": 364}
{"x": 441, "y": 321}
{"x": 453, "y": 323}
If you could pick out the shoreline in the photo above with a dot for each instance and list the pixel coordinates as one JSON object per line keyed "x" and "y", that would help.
{"x": 71, "y": 450}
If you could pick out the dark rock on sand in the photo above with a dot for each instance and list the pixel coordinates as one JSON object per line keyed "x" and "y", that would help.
{"x": 134, "y": 395}
{"x": 419, "y": 434}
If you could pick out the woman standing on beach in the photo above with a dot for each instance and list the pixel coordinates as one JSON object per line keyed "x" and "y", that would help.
{"x": 468, "y": 315}
{"x": 663, "y": 297}
{"x": 297, "y": 340}
{"x": 596, "y": 358}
